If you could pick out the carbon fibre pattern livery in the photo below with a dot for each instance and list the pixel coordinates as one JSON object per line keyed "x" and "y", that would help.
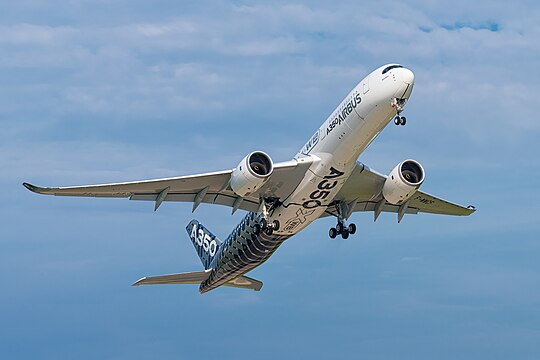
{"x": 241, "y": 252}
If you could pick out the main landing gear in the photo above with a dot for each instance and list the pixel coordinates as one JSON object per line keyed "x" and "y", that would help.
{"x": 342, "y": 230}
{"x": 268, "y": 227}
{"x": 343, "y": 211}
{"x": 399, "y": 104}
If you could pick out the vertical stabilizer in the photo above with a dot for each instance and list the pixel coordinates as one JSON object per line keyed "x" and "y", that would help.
{"x": 206, "y": 243}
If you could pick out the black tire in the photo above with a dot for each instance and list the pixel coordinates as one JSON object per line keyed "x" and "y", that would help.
{"x": 345, "y": 234}
{"x": 332, "y": 233}
{"x": 257, "y": 229}
{"x": 397, "y": 120}
{"x": 263, "y": 223}
{"x": 340, "y": 227}
{"x": 275, "y": 225}
{"x": 268, "y": 231}
{"x": 403, "y": 120}
{"x": 352, "y": 229}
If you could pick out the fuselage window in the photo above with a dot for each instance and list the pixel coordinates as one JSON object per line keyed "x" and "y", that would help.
{"x": 390, "y": 68}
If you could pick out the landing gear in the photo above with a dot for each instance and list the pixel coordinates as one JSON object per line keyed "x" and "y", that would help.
{"x": 400, "y": 120}
{"x": 342, "y": 230}
{"x": 264, "y": 224}
{"x": 399, "y": 104}
{"x": 267, "y": 228}
{"x": 267, "y": 208}
{"x": 342, "y": 209}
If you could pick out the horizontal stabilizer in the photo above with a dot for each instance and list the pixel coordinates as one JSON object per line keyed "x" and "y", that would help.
{"x": 196, "y": 278}
{"x": 245, "y": 282}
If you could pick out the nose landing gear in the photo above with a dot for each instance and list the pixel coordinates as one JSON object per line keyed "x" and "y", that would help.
{"x": 400, "y": 120}
{"x": 399, "y": 104}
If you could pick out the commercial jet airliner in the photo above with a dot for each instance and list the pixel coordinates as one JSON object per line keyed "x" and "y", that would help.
{"x": 323, "y": 179}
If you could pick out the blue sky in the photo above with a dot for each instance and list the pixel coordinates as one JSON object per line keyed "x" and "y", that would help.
{"x": 100, "y": 91}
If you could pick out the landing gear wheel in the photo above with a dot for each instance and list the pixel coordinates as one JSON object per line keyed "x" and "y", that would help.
{"x": 332, "y": 233}
{"x": 269, "y": 231}
{"x": 257, "y": 229}
{"x": 264, "y": 224}
{"x": 275, "y": 225}
{"x": 345, "y": 234}
{"x": 352, "y": 229}
{"x": 340, "y": 228}
{"x": 397, "y": 120}
{"x": 403, "y": 120}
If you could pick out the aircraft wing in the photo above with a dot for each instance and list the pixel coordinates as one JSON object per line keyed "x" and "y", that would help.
{"x": 363, "y": 191}
{"x": 210, "y": 188}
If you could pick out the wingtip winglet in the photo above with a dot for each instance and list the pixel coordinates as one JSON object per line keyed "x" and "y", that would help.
{"x": 139, "y": 282}
{"x": 472, "y": 209}
{"x": 32, "y": 188}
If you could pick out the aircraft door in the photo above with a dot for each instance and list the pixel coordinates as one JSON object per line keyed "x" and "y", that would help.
{"x": 365, "y": 85}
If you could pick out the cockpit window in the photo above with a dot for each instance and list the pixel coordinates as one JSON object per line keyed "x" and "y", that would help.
{"x": 387, "y": 69}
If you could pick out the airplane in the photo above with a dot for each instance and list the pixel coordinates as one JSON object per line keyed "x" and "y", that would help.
{"x": 323, "y": 179}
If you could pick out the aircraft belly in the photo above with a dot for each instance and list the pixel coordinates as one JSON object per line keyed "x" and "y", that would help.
{"x": 311, "y": 198}
{"x": 321, "y": 183}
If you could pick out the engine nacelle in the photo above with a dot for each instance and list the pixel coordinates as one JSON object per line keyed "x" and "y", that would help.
{"x": 403, "y": 182}
{"x": 251, "y": 173}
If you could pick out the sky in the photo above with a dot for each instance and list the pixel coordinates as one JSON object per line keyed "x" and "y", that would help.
{"x": 106, "y": 91}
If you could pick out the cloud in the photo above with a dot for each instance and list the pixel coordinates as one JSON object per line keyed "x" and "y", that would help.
{"x": 490, "y": 26}
{"x": 104, "y": 91}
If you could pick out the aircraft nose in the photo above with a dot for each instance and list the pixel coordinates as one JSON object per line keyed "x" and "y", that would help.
{"x": 406, "y": 75}
{"x": 405, "y": 82}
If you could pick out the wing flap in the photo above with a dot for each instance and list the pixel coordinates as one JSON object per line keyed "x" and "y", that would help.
{"x": 247, "y": 204}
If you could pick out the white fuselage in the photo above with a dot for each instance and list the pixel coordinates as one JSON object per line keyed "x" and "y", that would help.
{"x": 335, "y": 146}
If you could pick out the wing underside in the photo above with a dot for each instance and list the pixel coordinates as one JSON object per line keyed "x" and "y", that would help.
{"x": 210, "y": 188}
{"x": 363, "y": 192}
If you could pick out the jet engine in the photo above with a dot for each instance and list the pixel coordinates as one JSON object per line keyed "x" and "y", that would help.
{"x": 252, "y": 172}
{"x": 403, "y": 182}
